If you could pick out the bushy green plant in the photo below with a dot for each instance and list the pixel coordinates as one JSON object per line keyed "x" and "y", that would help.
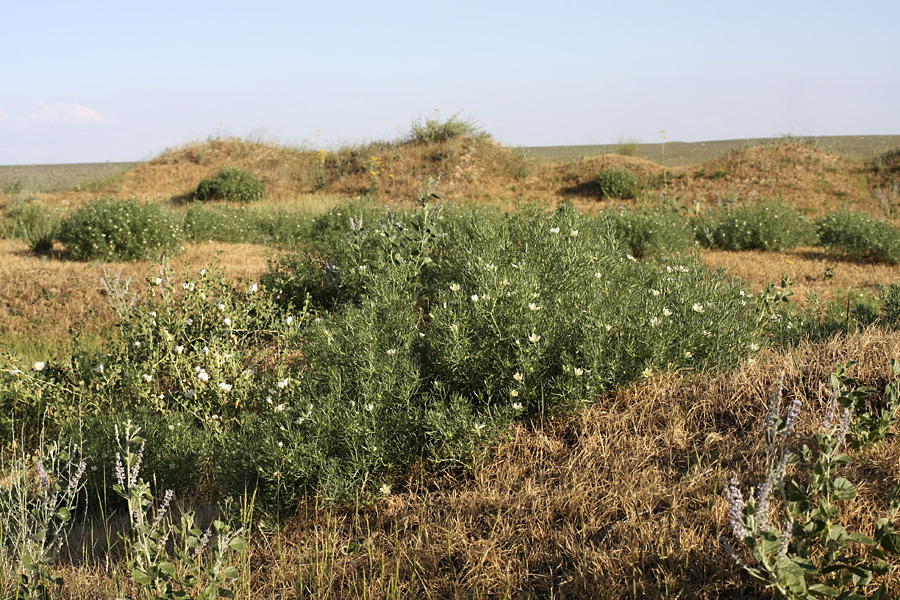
{"x": 618, "y": 182}
{"x": 231, "y": 184}
{"x": 860, "y": 236}
{"x": 35, "y": 224}
{"x": 811, "y": 555}
{"x": 651, "y": 232}
{"x": 759, "y": 226}
{"x": 127, "y": 230}
{"x": 242, "y": 225}
{"x": 890, "y": 304}
{"x": 434, "y": 130}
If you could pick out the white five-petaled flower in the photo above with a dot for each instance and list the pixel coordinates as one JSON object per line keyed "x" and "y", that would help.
{"x": 179, "y": 349}
{"x": 158, "y": 280}
{"x": 654, "y": 321}
{"x": 554, "y": 230}
{"x": 225, "y": 387}
{"x": 283, "y": 382}
{"x": 454, "y": 327}
{"x": 39, "y": 365}
{"x": 533, "y": 307}
{"x": 385, "y": 489}
{"x": 479, "y": 427}
{"x": 654, "y": 292}
{"x": 574, "y": 233}
{"x": 253, "y": 289}
{"x": 99, "y": 368}
{"x": 667, "y": 312}
{"x": 15, "y": 371}
{"x": 754, "y": 346}
{"x": 205, "y": 350}
{"x": 688, "y": 354}
{"x": 514, "y": 393}
{"x": 579, "y": 371}
{"x": 227, "y": 321}
{"x": 392, "y": 351}
{"x": 202, "y": 375}
{"x": 288, "y": 320}
{"x": 519, "y": 377}
{"x": 534, "y": 338}
{"x": 220, "y": 306}
{"x": 454, "y": 287}
{"x": 517, "y": 406}
{"x": 474, "y": 297}
{"x": 190, "y": 394}
{"x": 698, "y": 308}
{"x": 648, "y": 372}
{"x": 370, "y": 407}
{"x": 362, "y": 268}
{"x": 147, "y": 377}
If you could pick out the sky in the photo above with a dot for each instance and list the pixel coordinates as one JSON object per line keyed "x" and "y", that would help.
{"x": 122, "y": 81}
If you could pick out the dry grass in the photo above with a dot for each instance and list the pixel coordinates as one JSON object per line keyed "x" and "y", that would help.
{"x": 43, "y": 299}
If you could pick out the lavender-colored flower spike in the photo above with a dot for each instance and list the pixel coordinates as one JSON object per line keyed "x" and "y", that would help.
{"x": 775, "y": 405}
{"x": 787, "y": 534}
{"x": 163, "y": 508}
{"x": 791, "y": 420}
{"x": 844, "y": 427}
{"x": 735, "y": 508}
{"x": 132, "y": 477}
{"x": 73, "y": 483}
{"x": 832, "y": 409}
{"x": 45, "y": 481}
{"x": 120, "y": 470}
{"x": 203, "y": 542}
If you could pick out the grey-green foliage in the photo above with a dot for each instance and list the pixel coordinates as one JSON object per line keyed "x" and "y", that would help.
{"x": 809, "y": 554}
{"x": 618, "y": 182}
{"x": 860, "y": 236}
{"x": 231, "y": 184}
{"x": 651, "y": 232}
{"x": 759, "y": 226}
{"x": 34, "y": 223}
{"x": 204, "y": 223}
{"x": 121, "y": 230}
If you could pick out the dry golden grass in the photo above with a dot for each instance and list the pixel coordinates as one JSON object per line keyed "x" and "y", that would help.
{"x": 806, "y": 267}
{"x": 43, "y": 298}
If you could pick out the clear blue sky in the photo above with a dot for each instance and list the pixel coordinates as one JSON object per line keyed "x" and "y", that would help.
{"x": 95, "y": 81}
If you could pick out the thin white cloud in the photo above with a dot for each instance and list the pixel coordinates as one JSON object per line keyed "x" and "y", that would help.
{"x": 57, "y": 112}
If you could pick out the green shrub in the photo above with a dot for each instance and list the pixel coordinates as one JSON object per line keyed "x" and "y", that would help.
{"x": 652, "y": 232}
{"x": 231, "y": 184}
{"x": 618, "y": 182}
{"x": 111, "y": 230}
{"x": 890, "y": 304}
{"x": 860, "y": 236}
{"x": 435, "y": 130}
{"x": 763, "y": 226}
{"x": 242, "y": 225}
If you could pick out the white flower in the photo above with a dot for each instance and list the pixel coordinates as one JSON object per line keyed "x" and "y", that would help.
{"x": 654, "y": 321}
{"x": 283, "y": 383}
{"x": 454, "y": 287}
{"x": 490, "y": 267}
{"x": 598, "y": 275}
{"x": 362, "y": 268}
{"x": 99, "y": 368}
{"x": 579, "y": 371}
{"x": 158, "y": 280}
{"x": 517, "y": 406}
{"x": 648, "y": 372}
{"x": 203, "y": 271}
{"x": 667, "y": 312}
{"x": 147, "y": 377}
{"x": 190, "y": 394}
{"x": 225, "y": 387}
{"x": 454, "y": 327}
{"x": 574, "y": 233}
{"x": 253, "y": 289}
{"x": 534, "y": 338}
{"x": 630, "y": 257}
{"x": 280, "y": 444}
{"x": 474, "y": 297}
{"x": 479, "y": 427}
{"x": 514, "y": 393}
{"x": 688, "y": 354}
{"x": 754, "y": 347}
{"x": 205, "y": 350}
{"x": 288, "y": 320}
{"x": 554, "y": 230}
{"x": 136, "y": 344}
{"x": 227, "y": 321}
{"x": 698, "y": 308}
{"x": 519, "y": 377}
{"x": 654, "y": 292}
{"x": 187, "y": 285}
{"x": 370, "y": 407}
{"x": 179, "y": 349}
{"x": 385, "y": 489}
{"x": 39, "y": 365}
{"x": 220, "y": 306}
{"x": 189, "y": 321}
{"x": 279, "y": 408}
{"x": 15, "y": 372}
{"x": 533, "y": 307}
{"x": 202, "y": 375}
{"x": 392, "y": 351}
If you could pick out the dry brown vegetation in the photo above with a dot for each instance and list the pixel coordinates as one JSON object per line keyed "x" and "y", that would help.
{"x": 622, "y": 500}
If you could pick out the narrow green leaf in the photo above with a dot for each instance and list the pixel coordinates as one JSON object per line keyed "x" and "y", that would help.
{"x": 861, "y": 538}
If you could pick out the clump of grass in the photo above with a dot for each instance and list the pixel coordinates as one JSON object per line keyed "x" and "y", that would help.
{"x": 860, "y": 236}
{"x": 110, "y": 230}
{"x": 231, "y": 184}
{"x": 618, "y": 182}
{"x": 629, "y": 146}
{"x": 435, "y": 130}
{"x": 34, "y": 223}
